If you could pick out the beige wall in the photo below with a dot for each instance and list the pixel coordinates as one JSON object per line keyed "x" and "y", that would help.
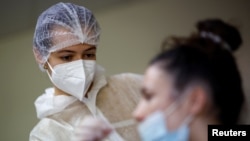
{"x": 131, "y": 35}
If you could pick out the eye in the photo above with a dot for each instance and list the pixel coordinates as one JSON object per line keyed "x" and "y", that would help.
{"x": 89, "y": 56}
{"x": 148, "y": 97}
{"x": 67, "y": 58}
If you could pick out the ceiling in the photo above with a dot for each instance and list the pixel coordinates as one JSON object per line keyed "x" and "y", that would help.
{"x": 19, "y": 15}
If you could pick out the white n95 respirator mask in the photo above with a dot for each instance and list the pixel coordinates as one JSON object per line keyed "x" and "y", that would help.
{"x": 74, "y": 77}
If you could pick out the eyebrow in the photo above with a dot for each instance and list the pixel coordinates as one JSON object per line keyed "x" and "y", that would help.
{"x": 62, "y": 51}
{"x": 91, "y": 48}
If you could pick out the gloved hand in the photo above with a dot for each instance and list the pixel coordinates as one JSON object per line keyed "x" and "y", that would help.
{"x": 92, "y": 129}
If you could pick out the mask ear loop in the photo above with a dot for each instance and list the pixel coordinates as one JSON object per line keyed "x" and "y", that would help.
{"x": 171, "y": 109}
{"x": 174, "y": 106}
{"x": 188, "y": 120}
{"x": 52, "y": 70}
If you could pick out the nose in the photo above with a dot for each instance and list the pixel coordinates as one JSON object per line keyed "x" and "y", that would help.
{"x": 140, "y": 112}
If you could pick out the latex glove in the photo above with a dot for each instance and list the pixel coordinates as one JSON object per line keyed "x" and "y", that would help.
{"x": 92, "y": 129}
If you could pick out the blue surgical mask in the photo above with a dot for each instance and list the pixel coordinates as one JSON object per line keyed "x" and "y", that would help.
{"x": 153, "y": 128}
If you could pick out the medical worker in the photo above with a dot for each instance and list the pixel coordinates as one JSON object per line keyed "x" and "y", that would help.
{"x": 193, "y": 83}
{"x": 65, "y": 44}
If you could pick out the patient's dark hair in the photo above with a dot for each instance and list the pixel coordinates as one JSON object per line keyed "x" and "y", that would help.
{"x": 206, "y": 56}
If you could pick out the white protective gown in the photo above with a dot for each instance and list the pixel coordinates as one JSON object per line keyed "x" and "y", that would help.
{"x": 113, "y": 99}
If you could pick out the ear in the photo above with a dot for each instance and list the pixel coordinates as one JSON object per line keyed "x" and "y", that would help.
{"x": 198, "y": 100}
{"x": 37, "y": 55}
{"x": 39, "y": 59}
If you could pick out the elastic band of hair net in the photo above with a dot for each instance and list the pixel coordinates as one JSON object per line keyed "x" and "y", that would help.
{"x": 63, "y": 25}
{"x": 215, "y": 38}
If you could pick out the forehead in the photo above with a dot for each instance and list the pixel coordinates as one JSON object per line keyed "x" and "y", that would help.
{"x": 63, "y": 37}
{"x": 156, "y": 79}
{"x": 60, "y": 34}
{"x": 78, "y": 48}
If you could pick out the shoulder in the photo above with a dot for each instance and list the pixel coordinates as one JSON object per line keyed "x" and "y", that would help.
{"x": 125, "y": 78}
{"x": 119, "y": 85}
{"x": 121, "y": 89}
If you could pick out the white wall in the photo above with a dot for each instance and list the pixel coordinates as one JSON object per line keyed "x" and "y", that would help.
{"x": 131, "y": 35}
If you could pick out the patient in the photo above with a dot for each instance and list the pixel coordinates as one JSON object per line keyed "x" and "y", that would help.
{"x": 194, "y": 83}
